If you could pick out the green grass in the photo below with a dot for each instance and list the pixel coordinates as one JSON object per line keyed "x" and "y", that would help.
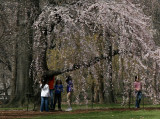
{"x": 83, "y": 106}
{"x": 141, "y": 114}
{"x": 8, "y": 109}
{"x": 106, "y": 106}
{"x": 94, "y": 106}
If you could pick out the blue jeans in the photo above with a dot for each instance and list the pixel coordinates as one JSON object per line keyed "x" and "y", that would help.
{"x": 44, "y": 104}
{"x": 138, "y": 98}
{"x": 51, "y": 98}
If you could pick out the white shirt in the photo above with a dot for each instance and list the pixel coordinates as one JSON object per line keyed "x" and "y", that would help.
{"x": 45, "y": 90}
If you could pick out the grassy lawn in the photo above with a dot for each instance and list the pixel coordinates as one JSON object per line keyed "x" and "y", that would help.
{"x": 106, "y": 106}
{"x": 79, "y": 112}
{"x": 9, "y": 109}
{"x": 141, "y": 114}
{"x": 83, "y": 106}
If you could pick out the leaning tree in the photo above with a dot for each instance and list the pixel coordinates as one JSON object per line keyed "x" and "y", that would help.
{"x": 122, "y": 23}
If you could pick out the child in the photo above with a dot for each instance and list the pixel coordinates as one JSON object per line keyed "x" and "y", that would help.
{"x": 69, "y": 92}
{"x": 138, "y": 88}
{"x": 58, "y": 89}
{"x": 44, "y": 95}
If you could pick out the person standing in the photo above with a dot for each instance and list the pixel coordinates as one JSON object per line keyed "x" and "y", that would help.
{"x": 51, "y": 90}
{"x": 58, "y": 90}
{"x": 69, "y": 92}
{"x": 138, "y": 91}
{"x": 44, "y": 95}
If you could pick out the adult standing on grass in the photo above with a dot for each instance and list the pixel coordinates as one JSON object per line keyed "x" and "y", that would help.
{"x": 138, "y": 91}
{"x": 44, "y": 95}
{"x": 69, "y": 92}
{"x": 58, "y": 90}
{"x": 51, "y": 91}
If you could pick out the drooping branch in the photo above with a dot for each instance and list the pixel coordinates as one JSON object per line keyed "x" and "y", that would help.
{"x": 77, "y": 66}
{"x": 88, "y": 64}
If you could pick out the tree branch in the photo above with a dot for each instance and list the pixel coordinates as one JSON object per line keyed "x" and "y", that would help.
{"x": 90, "y": 63}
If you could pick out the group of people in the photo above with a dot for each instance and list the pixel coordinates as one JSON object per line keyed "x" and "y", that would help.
{"x": 51, "y": 94}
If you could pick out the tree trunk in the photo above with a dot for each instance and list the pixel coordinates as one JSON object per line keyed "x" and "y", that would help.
{"x": 111, "y": 93}
{"x": 14, "y": 72}
{"x": 96, "y": 93}
{"x": 22, "y": 58}
{"x": 101, "y": 90}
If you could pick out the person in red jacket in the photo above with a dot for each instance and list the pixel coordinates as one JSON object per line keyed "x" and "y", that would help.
{"x": 51, "y": 90}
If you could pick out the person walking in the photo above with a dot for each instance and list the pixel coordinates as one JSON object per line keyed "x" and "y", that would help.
{"x": 138, "y": 91}
{"x": 69, "y": 92}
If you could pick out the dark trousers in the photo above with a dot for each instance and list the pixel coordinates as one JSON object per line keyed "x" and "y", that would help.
{"x": 57, "y": 97}
{"x": 51, "y": 98}
{"x": 138, "y": 98}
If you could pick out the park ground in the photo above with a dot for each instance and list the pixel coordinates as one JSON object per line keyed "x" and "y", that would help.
{"x": 82, "y": 112}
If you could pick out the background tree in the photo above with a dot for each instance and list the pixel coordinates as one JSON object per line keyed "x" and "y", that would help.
{"x": 102, "y": 44}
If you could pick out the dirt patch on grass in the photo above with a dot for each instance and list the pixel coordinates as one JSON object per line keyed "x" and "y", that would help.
{"x": 30, "y": 114}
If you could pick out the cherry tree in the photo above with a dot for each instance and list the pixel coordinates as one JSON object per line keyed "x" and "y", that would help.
{"x": 122, "y": 23}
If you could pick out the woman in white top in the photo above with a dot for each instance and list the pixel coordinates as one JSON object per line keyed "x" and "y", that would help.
{"x": 44, "y": 95}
